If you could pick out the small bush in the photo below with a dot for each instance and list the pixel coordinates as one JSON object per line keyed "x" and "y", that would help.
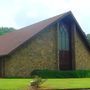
{"x": 37, "y": 81}
{"x": 61, "y": 74}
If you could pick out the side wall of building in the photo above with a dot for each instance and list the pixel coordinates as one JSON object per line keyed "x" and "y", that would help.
{"x": 38, "y": 53}
{"x": 82, "y": 54}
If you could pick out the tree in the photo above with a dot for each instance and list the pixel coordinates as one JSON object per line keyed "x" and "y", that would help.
{"x": 4, "y": 30}
{"x": 88, "y": 37}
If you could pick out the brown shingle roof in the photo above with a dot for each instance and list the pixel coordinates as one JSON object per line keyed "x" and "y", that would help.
{"x": 12, "y": 40}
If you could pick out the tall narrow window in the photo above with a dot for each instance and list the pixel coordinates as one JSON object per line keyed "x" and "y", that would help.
{"x": 65, "y": 62}
{"x": 64, "y": 39}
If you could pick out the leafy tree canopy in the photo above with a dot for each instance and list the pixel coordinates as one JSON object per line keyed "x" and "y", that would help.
{"x": 4, "y": 30}
{"x": 88, "y": 36}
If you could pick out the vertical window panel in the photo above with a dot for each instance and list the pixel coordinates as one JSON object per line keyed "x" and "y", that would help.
{"x": 64, "y": 38}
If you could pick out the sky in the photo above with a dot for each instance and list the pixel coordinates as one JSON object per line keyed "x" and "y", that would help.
{"x": 21, "y": 13}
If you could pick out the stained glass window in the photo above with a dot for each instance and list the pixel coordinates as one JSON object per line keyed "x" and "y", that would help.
{"x": 63, "y": 38}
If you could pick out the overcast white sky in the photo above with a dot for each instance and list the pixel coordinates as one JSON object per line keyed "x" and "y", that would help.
{"x": 20, "y": 13}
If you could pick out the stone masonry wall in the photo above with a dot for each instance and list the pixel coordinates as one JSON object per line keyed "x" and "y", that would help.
{"x": 82, "y": 55}
{"x": 37, "y": 53}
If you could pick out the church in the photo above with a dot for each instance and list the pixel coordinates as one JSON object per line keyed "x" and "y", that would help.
{"x": 57, "y": 43}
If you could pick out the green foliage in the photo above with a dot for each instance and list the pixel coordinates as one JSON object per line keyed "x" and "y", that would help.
{"x": 37, "y": 81}
{"x": 4, "y": 30}
{"x": 61, "y": 74}
{"x": 88, "y": 36}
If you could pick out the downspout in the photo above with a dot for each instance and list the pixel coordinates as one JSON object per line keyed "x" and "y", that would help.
{"x": 1, "y": 67}
{"x": 58, "y": 62}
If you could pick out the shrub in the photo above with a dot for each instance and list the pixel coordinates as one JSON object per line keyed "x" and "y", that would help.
{"x": 61, "y": 74}
{"x": 37, "y": 81}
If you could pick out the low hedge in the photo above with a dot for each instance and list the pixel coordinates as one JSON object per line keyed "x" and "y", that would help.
{"x": 61, "y": 74}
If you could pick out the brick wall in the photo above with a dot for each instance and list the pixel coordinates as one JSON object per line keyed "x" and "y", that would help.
{"x": 37, "y": 53}
{"x": 82, "y": 55}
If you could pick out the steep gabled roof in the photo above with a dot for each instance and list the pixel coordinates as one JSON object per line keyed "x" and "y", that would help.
{"x": 12, "y": 40}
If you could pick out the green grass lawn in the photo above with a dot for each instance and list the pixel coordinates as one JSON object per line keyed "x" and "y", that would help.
{"x": 20, "y": 84}
{"x": 14, "y": 84}
{"x": 67, "y": 83}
